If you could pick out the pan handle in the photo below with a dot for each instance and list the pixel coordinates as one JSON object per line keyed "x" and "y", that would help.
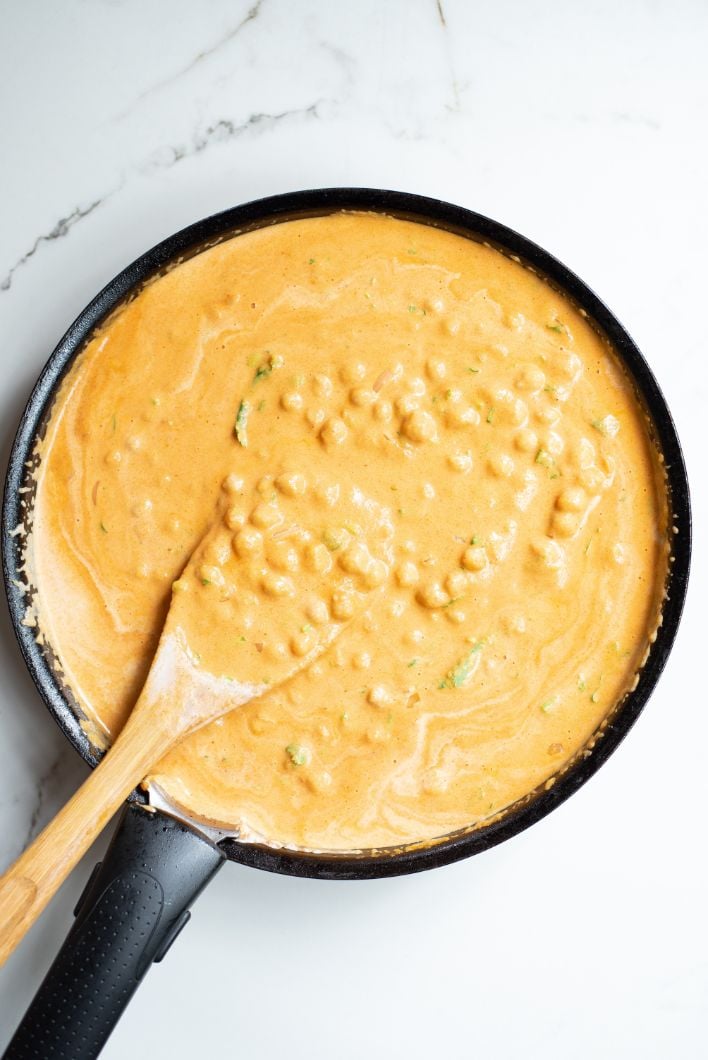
{"x": 133, "y": 907}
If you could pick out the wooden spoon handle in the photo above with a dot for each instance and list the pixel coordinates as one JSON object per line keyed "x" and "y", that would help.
{"x": 29, "y": 884}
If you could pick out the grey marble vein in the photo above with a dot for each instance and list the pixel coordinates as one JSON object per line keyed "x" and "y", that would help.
{"x": 344, "y": 60}
{"x": 61, "y": 228}
{"x": 45, "y": 787}
{"x": 199, "y": 58}
{"x": 454, "y": 84}
{"x": 635, "y": 119}
{"x": 226, "y": 129}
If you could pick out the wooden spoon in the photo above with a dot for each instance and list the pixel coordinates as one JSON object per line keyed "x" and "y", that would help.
{"x": 265, "y": 592}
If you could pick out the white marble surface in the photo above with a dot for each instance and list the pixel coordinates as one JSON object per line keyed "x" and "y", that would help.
{"x": 582, "y": 124}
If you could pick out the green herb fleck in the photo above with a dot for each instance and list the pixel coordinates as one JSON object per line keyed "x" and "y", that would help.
{"x": 490, "y": 415}
{"x": 241, "y": 423}
{"x": 103, "y": 527}
{"x": 476, "y": 540}
{"x": 547, "y": 707}
{"x": 311, "y": 261}
{"x": 544, "y": 458}
{"x": 205, "y": 581}
{"x": 607, "y": 426}
{"x": 460, "y": 674}
{"x": 261, "y": 405}
{"x": 299, "y": 756}
{"x": 581, "y": 683}
{"x": 587, "y": 547}
{"x": 412, "y": 663}
{"x": 265, "y": 369}
{"x": 596, "y": 694}
{"x": 557, "y": 327}
{"x": 473, "y": 370}
{"x": 306, "y": 628}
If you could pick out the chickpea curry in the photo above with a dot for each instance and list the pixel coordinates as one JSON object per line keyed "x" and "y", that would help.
{"x": 389, "y": 428}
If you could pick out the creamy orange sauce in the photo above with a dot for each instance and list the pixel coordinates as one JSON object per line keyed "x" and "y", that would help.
{"x": 371, "y": 406}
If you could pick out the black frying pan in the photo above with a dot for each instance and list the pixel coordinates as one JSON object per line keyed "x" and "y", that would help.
{"x": 137, "y": 900}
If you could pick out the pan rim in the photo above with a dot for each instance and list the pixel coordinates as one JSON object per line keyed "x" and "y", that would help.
{"x": 274, "y": 209}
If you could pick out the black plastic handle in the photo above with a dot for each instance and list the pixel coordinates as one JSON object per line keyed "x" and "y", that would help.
{"x": 132, "y": 909}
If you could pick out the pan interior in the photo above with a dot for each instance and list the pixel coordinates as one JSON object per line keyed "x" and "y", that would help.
{"x": 485, "y": 822}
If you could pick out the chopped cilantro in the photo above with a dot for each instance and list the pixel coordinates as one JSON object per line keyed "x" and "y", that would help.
{"x": 299, "y": 756}
{"x": 607, "y": 426}
{"x": 241, "y": 423}
{"x": 267, "y": 367}
{"x": 460, "y": 674}
{"x": 587, "y": 547}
